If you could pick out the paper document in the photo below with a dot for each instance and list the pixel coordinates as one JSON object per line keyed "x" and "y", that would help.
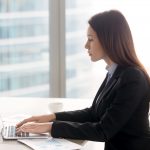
{"x": 50, "y": 144}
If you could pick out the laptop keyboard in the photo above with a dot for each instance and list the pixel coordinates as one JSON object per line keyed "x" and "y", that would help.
{"x": 10, "y": 131}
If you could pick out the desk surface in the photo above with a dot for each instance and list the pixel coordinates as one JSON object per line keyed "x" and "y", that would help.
{"x": 38, "y": 106}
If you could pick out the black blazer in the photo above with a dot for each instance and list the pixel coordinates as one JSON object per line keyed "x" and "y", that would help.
{"x": 118, "y": 115}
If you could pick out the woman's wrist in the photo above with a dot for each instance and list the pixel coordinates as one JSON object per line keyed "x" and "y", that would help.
{"x": 53, "y": 117}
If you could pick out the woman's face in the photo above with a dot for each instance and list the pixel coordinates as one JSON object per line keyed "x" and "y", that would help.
{"x": 93, "y": 46}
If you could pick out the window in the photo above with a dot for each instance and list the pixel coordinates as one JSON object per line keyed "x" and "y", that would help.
{"x": 25, "y": 28}
{"x": 24, "y": 50}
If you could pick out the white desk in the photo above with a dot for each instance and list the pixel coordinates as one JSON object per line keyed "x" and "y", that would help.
{"x": 38, "y": 106}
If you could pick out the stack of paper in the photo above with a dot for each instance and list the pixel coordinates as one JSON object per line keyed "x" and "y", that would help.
{"x": 50, "y": 144}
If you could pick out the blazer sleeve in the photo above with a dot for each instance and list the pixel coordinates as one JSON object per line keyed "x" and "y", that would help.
{"x": 129, "y": 93}
{"x": 84, "y": 115}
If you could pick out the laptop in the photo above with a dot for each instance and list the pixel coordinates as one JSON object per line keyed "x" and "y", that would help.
{"x": 8, "y": 131}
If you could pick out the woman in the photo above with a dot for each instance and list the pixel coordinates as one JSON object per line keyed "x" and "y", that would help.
{"x": 119, "y": 113}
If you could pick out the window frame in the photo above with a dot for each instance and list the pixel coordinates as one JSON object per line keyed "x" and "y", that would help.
{"x": 57, "y": 58}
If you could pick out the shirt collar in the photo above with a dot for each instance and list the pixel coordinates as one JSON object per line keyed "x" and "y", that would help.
{"x": 111, "y": 69}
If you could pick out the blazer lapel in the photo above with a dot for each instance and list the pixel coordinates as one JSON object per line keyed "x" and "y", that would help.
{"x": 108, "y": 87}
{"x": 111, "y": 83}
{"x": 100, "y": 89}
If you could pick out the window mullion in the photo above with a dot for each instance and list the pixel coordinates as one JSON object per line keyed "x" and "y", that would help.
{"x": 57, "y": 48}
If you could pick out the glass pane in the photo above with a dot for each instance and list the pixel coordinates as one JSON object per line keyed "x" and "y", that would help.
{"x": 79, "y": 69}
{"x": 83, "y": 76}
{"x": 24, "y": 64}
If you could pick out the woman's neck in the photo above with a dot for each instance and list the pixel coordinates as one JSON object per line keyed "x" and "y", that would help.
{"x": 108, "y": 61}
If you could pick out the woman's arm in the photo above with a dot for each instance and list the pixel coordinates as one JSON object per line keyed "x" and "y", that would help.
{"x": 84, "y": 115}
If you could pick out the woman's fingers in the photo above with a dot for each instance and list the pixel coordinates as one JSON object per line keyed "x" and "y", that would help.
{"x": 31, "y": 119}
{"x": 28, "y": 127}
{"x": 34, "y": 128}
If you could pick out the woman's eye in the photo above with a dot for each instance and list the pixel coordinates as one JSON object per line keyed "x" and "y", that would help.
{"x": 90, "y": 40}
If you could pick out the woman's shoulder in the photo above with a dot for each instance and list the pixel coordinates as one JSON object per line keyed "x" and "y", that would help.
{"x": 136, "y": 76}
{"x": 130, "y": 70}
{"x": 133, "y": 73}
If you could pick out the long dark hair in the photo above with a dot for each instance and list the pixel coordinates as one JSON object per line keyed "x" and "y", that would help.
{"x": 116, "y": 39}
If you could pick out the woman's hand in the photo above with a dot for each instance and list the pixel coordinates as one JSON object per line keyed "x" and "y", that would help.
{"x": 37, "y": 119}
{"x": 35, "y": 128}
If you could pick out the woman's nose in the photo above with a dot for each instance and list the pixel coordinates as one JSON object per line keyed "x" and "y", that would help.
{"x": 86, "y": 45}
